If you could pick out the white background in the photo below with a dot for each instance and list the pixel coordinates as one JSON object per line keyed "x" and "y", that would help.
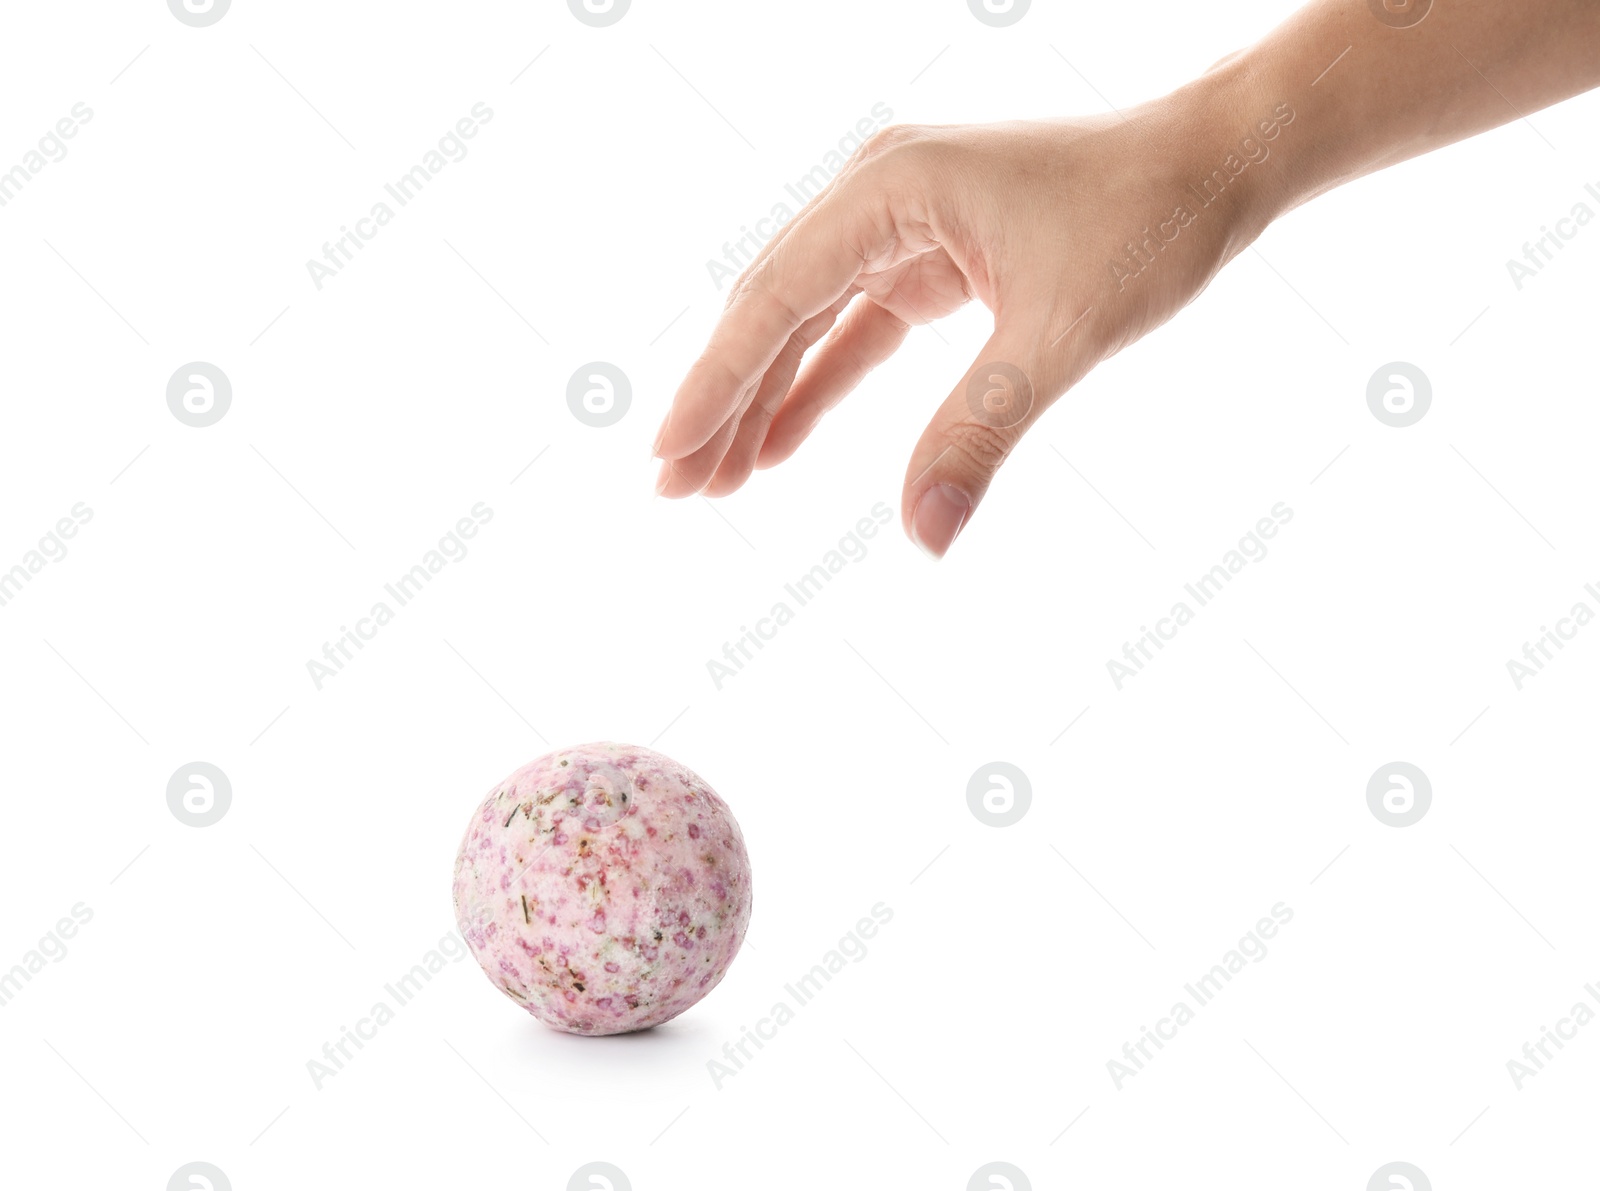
{"x": 369, "y": 416}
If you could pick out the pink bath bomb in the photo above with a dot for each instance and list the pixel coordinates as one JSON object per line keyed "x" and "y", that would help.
{"x": 604, "y": 888}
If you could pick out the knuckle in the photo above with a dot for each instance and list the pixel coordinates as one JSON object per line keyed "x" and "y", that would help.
{"x": 759, "y": 289}
{"x": 763, "y": 281}
{"x": 892, "y": 139}
{"x": 984, "y": 445}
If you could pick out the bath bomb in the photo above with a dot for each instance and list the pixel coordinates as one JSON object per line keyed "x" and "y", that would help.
{"x": 604, "y": 888}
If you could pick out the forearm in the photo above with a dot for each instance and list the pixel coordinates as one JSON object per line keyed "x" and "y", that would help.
{"x": 1367, "y": 94}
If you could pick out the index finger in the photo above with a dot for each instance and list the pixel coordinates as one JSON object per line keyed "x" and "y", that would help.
{"x": 811, "y": 269}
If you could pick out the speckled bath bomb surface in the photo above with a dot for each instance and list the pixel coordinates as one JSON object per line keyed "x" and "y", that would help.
{"x": 604, "y": 888}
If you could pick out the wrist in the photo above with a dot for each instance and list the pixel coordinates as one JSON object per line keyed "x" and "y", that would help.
{"x": 1246, "y": 140}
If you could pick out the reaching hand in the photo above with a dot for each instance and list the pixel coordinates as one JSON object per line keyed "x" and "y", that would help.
{"x": 1081, "y": 236}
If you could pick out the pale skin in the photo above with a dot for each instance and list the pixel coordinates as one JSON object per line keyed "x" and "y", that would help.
{"x": 1028, "y": 216}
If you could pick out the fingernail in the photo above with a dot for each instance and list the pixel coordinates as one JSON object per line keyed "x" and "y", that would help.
{"x": 655, "y": 447}
{"x": 663, "y": 478}
{"x": 940, "y": 513}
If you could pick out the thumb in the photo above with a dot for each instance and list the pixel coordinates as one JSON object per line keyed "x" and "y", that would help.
{"x": 970, "y": 436}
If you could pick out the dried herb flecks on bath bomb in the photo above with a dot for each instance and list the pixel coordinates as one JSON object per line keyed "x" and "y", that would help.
{"x": 613, "y": 907}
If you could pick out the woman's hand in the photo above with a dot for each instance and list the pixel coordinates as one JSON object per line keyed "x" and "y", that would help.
{"x": 1080, "y": 236}
{"x": 1083, "y": 235}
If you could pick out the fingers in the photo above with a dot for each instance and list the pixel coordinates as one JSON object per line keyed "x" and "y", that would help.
{"x": 865, "y": 337}
{"x": 742, "y": 433}
{"x": 685, "y": 477}
{"x": 810, "y": 270}
{"x": 1008, "y": 387}
{"x": 734, "y": 468}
